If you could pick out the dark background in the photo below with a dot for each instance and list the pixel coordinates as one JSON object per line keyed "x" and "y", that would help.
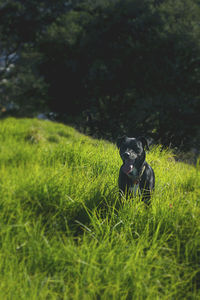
{"x": 107, "y": 67}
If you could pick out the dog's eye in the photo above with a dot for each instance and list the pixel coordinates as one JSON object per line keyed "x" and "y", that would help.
{"x": 137, "y": 149}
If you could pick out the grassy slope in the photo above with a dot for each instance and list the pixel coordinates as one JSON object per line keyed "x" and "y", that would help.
{"x": 64, "y": 236}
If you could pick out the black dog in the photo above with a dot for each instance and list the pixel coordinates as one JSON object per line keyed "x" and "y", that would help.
{"x": 135, "y": 172}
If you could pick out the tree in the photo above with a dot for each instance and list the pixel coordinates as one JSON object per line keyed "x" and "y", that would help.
{"x": 21, "y": 24}
{"x": 134, "y": 64}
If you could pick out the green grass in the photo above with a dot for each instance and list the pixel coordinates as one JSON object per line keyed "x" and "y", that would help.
{"x": 64, "y": 235}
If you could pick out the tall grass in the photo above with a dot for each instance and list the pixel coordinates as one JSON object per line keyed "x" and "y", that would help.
{"x": 64, "y": 235}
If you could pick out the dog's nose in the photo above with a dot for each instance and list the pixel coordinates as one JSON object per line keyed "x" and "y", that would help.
{"x": 126, "y": 155}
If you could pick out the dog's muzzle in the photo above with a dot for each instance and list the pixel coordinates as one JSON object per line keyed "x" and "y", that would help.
{"x": 129, "y": 162}
{"x": 128, "y": 166}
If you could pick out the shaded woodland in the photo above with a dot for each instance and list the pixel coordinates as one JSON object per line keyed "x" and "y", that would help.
{"x": 110, "y": 67}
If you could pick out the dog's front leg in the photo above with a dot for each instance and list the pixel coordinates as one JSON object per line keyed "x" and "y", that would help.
{"x": 124, "y": 184}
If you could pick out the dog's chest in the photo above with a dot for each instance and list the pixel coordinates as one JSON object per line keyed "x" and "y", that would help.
{"x": 135, "y": 189}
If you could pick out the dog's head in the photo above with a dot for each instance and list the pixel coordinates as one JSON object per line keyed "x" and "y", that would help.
{"x": 132, "y": 152}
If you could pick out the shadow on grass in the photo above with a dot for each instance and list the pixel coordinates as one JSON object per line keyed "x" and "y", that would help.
{"x": 98, "y": 205}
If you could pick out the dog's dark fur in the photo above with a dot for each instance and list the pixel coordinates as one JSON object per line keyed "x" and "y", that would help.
{"x": 135, "y": 171}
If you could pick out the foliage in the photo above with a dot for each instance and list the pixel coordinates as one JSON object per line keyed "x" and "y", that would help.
{"x": 21, "y": 23}
{"x": 133, "y": 64}
{"x": 65, "y": 236}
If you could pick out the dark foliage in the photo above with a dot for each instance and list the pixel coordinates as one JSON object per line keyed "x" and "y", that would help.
{"x": 132, "y": 66}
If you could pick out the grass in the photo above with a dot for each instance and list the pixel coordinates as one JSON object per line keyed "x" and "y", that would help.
{"x": 63, "y": 234}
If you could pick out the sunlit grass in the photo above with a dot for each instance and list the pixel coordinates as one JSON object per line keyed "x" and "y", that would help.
{"x": 64, "y": 235}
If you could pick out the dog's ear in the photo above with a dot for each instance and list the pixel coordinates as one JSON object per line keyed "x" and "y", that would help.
{"x": 144, "y": 142}
{"x": 120, "y": 140}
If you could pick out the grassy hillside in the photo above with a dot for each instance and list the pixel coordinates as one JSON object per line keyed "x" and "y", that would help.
{"x": 63, "y": 234}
